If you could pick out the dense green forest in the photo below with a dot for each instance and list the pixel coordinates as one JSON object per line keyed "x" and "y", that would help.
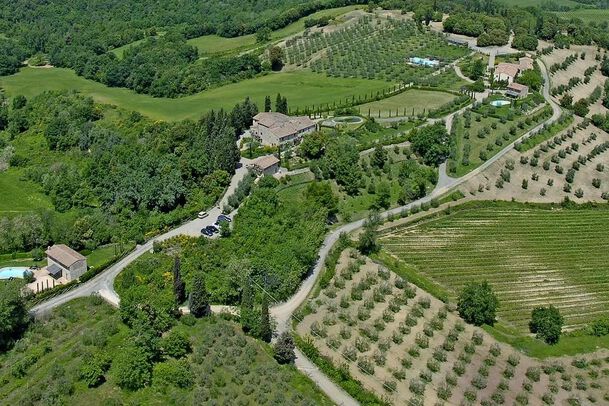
{"x": 80, "y": 34}
{"x": 111, "y": 175}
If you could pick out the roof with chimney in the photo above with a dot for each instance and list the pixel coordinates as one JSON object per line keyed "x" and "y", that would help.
{"x": 281, "y": 125}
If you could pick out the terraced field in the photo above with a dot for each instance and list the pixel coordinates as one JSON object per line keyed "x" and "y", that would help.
{"x": 531, "y": 256}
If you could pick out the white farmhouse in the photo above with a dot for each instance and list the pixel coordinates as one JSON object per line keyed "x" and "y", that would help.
{"x": 274, "y": 129}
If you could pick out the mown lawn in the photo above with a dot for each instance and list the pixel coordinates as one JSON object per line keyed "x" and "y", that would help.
{"x": 408, "y": 103}
{"x": 587, "y": 15}
{"x": 19, "y": 196}
{"x": 302, "y": 88}
{"x": 531, "y": 257}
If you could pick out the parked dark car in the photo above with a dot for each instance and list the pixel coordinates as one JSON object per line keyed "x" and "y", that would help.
{"x": 223, "y": 217}
{"x": 212, "y": 229}
{"x": 206, "y": 232}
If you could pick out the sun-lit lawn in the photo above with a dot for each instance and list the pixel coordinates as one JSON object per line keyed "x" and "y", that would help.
{"x": 212, "y": 44}
{"x": 587, "y": 15}
{"x": 405, "y": 103}
{"x": 19, "y": 196}
{"x": 301, "y": 88}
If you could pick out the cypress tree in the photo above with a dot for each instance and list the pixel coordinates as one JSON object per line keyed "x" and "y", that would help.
{"x": 248, "y": 317}
{"x": 278, "y": 103}
{"x": 267, "y": 104}
{"x": 179, "y": 289}
{"x": 265, "y": 333}
{"x": 199, "y": 298}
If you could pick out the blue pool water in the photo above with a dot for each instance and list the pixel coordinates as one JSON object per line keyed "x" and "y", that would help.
{"x": 499, "y": 103}
{"x": 12, "y": 272}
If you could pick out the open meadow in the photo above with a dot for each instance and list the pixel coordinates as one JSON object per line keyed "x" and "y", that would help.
{"x": 531, "y": 257}
{"x": 302, "y": 88}
{"x": 408, "y": 347}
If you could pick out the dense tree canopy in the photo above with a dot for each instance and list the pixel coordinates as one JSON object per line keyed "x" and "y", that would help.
{"x": 546, "y": 323}
{"x": 478, "y": 304}
{"x": 14, "y": 316}
{"x": 431, "y": 143}
{"x": 121, "y": 173}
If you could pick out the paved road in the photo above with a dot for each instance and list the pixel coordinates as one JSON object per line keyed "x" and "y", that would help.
{"x": 103, "y": 284}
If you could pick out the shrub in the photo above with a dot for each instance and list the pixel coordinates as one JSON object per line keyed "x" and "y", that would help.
{"x": 533, "y": 373}
{"x": 365, "y": 365}
{"x": 495, "y": 350}
{"x": 173, "y": 372}
{"x": 175, "y": 344}
{"x": 479, "y": 382}
{"x": 433, "y": 365}
{"x": 416, "y": 386}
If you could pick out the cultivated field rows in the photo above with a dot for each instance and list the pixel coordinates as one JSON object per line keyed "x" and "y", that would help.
{"x": 550, "y": 184}
{"x": 410, "y": 348}
{"x": 531, "y": 258}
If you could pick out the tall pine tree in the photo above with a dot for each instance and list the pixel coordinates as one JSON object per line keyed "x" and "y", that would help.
{"x": 267, "y": 104}
{"x": 199, "y": 298}
{"x": 279, "y": 103}
{"x": 179, "y": 289}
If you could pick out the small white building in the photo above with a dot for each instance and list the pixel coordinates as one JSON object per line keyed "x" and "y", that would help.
{"x": 64, "y": 262}
{"x": 274, "y": 129}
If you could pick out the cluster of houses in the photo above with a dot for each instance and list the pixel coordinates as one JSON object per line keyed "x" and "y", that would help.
{"x": 507, "y": 72}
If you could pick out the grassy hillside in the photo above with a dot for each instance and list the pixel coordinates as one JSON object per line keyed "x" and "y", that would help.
{"x": 302, "y": 88}
{"x": 210, "y": 44}
{"x": 44, "y": 366}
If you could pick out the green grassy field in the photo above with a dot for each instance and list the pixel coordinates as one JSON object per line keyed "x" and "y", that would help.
{"x": 18, "y": 196}
{"x": 211, "y": 44}
{"x": 531, "y": 257}
{"x": 302, "y": 88}
{"x": 46, "y": 363}
{"x": 587, "y": 15}
{"x": 404, "y": 103}
{"x": 528, "y": 3}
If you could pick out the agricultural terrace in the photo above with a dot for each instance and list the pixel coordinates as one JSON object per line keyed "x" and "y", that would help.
{"x": 531, "y": 257}
{"x": 576, "y": 72}
{"x": 408, "y": 347}
{"x": 481, "y": 132}
{"x": 565, "y": 160}
{"x": 372, "y": 48}
{"x": 57, "y": 362}
{"x": 302, "y": 88}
